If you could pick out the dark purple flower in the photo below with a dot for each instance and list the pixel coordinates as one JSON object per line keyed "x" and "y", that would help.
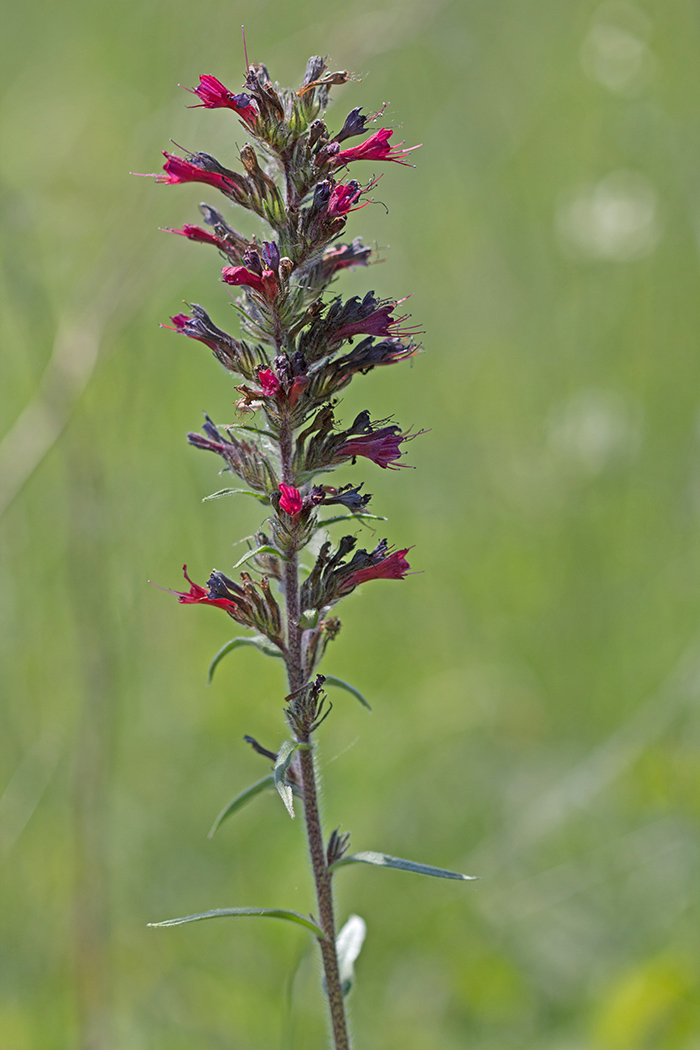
{"x": 381, "y": 446}
{"x": 379, "y": 323}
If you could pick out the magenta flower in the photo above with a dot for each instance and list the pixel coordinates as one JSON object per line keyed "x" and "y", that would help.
{"x": 196, "y": 233}
{"x": 381, "y": 446}
{"x": 269, "y": 382}
{"x": 193, "y": 327}
{"x": 344, "y": 198}
{"x": 266, "y": 285}
{"x": 376, "y": 147}
{"x": 213, "y": 95}
{"x": 379, "y": 322}
{"x": 179, "y": 170}
{"x": 345, "y": 256}
{"x": 393, "y": 567}
{"x": 291, "y": 501}
{"x": 198, "y": 595}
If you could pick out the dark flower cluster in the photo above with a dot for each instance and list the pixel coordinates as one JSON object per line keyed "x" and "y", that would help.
{"x": 298, "y": 348}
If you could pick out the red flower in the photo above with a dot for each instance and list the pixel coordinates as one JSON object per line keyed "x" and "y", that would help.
{"x": 200, "y": 596}
{"x": 239, "y": 275}
{"x": 180, "y": 321}
{"x": 381, "y": 446}
{"x": 376, "y": 147}
{"x": 342, "y": 199}
{"x": 297, "y": 389}
{"x": 291, "y": 501}
{"x": 213, "y": 95}
{"x": 178, "y": 170}
{"x": 269, "y": 382}
{"x": 393, "y": 567}
{"x": 196, "y": 233}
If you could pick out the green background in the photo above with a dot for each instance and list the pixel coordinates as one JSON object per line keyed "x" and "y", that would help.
{"x": 535, "y": 689}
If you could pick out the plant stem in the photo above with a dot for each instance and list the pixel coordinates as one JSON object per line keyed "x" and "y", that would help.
{"x": 314, "y": 832}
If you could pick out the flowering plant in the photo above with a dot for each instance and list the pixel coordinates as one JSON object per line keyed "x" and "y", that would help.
{"x": 296, "y": 355}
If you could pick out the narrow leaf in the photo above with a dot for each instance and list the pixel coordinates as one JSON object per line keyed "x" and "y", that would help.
{"x": 241, "y": 800}
{"x": 350, "y": 517}
{"x": 252, "y": 430}
{"x": 284, "y": 757}
{"x": 348, "y": 946}
{"x": 265, "y": 549}
{"x": 236, "y": 492}
{"x": 259, "y": 641}
{"x": 265, "y": 913}
{"x": 383, "y": 860}
{"x": 340, "y": 684}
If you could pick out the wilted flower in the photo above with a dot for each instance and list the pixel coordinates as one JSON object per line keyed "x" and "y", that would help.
{"x": 354, "y": 125}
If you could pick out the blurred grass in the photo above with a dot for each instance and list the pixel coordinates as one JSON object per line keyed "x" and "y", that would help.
{"x": 535, "y": 690}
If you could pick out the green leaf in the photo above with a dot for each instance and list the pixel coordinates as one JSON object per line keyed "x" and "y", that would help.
{"x": 350, "y": 517}
{"x": 259, "y": 641}
{"x": 265, "y": 549}
{"x": 236, "y": 492}
{"x": 265, "y": 913}
{"x": 340, "y": 684}
{"x": 348, "y": 946}
{"x": 248, "y": 427}
{"x": 383, "y": 860}
{"x": 284, "y": 757}
{"x": 241, "y": 800}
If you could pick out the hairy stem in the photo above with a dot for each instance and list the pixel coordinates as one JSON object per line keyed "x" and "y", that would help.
{"x": 314, "y": 832}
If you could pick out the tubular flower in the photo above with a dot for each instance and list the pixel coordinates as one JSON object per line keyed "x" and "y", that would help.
{"x": 179, "y": 170}
{"x": 291, "y": 501}
{"x": 379, "y": 323}
{"x": 345, "y": 256}
{"x": 265, "y": 285}
{"x": 344, "y": 198}
{"x": 269, "y": 382}
{"x": 393, "y": 567}
{"x": 196, "y": 233}
{"x": 234, "y": 355}
{"x": 381, "y": 446}
{"x": 198, "y": 595}
{"x": 200, "y": 326}
{"x": 214, "y": 95}
{"x": 376, "y": 147}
